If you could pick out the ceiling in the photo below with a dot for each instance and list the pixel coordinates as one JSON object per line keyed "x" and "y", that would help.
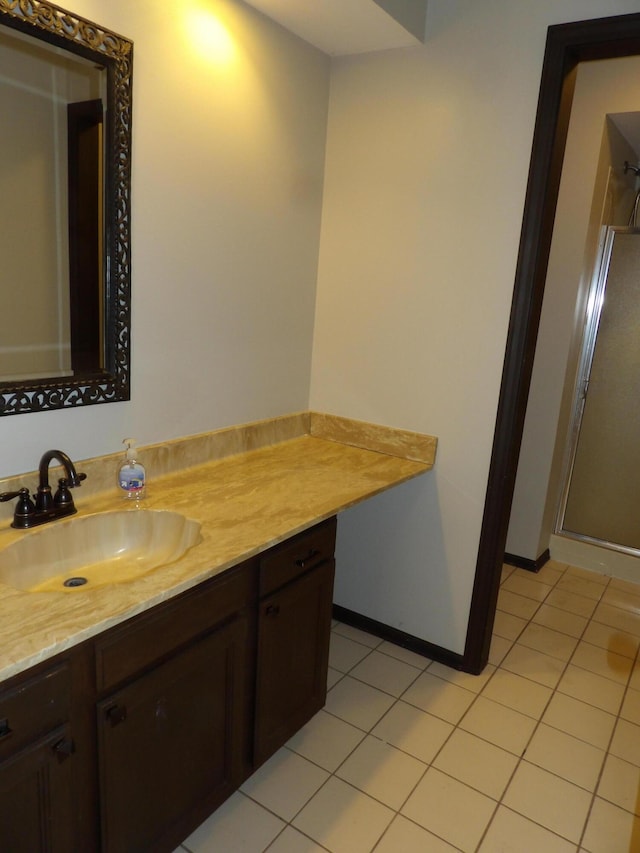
{"x": 338, "y": 27}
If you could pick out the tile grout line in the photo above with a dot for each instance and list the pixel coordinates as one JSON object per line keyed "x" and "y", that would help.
{"x": 569, "y": 661}
{"x": 332, "y": 774}
{"x": 609, "y": 744}
{"x": 520, "y": 758}
{"x": 457, "y": 727}
{"x": 427, "y": 766}
{"x": 369, "y": 733}
{"x": 606, "y": 752}
{"x": 538, "y": 721}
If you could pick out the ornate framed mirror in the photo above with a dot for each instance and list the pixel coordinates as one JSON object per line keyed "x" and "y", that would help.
{"x": 65, "y": 277}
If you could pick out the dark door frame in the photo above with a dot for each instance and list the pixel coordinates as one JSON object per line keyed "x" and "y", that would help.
{"x": 567, "y": 45}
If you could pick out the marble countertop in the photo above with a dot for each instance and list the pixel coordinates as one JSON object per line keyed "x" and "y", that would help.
{"x": 244, "y": 503}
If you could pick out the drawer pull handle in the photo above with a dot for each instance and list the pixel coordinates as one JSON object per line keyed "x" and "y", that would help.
{"x": 64, "y": 748}
{"x": 116, "y": 714}
{"x": 5, "y": 728}
{"x": 272, "y": 610}
{"x": 302, "y": 562}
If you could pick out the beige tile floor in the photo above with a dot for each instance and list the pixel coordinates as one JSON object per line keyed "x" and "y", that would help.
{"x": 539, "y": 754}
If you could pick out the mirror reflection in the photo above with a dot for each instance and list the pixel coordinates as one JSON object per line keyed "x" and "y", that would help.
{"x": 65, "y": 98}
{"x": 51, "y": 189}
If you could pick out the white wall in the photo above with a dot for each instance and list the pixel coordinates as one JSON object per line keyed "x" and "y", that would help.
{"x": 427, "y": 158}
{"x": 228, "y": 158}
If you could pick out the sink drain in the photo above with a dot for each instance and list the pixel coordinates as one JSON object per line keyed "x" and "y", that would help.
{"x": 75, "y": 582}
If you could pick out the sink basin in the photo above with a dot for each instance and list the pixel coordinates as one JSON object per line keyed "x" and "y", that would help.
{"x": 85, "y": 552}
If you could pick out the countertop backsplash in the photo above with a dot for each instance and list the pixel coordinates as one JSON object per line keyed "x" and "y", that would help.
{"x": 178, "y": 454}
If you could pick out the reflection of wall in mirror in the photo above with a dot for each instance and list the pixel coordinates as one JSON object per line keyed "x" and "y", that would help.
{"x": 35, "y": 86}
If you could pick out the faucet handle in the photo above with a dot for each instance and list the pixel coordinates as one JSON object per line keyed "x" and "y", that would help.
{"x": 25, "y": 507}
{"x": 9, "y": 496}
{"x": 63, "y": 496}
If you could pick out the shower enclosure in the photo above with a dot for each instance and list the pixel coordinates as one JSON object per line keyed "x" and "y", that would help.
{"x": 601, "y": 498}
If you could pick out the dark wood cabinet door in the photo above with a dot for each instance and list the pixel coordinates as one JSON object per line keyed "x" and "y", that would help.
{"x": 170, "y": 744}
{"x": 35, "y": 791}
{"x": 293, "y": 649}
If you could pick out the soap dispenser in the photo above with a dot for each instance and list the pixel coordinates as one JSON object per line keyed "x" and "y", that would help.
{"x": 131, "y": 474}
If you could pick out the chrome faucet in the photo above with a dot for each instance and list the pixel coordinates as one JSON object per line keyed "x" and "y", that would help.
{"x": 46, "y": 507}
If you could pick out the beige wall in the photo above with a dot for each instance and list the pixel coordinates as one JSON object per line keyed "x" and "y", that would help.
{"x": 427, "y": 158}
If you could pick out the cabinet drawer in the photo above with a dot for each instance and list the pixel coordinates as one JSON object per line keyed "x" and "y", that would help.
{"x": 29, "y": 708}
{"x": 147, "y": 638}
{"x": 284, "y": 563}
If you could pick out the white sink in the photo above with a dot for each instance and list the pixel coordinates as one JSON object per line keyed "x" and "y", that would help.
{"x": 94, "y": 550}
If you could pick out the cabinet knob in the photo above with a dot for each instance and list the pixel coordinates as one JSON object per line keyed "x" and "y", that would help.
{"x": 64, "y": 748}
{"x": 116, "y": 714}
{"x": 5, "y": 728}
{"x": 272, "y": 610}
{"x": 302, "y": 562}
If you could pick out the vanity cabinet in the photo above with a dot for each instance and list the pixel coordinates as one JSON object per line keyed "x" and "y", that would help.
{"x": 294, "y": 624}
{"x": 128, "y": 741}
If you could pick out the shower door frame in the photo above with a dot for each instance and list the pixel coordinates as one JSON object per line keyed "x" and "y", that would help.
{"x": 595, "y": 303}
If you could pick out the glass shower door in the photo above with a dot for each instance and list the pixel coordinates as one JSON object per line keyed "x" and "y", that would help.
{"x": 601, "y": 502}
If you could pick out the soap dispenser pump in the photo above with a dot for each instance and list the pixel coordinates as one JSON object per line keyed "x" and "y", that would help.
{"x": 131, "y": 474}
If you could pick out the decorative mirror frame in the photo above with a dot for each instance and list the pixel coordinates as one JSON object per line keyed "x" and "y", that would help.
{"x": 70, "y": 32}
